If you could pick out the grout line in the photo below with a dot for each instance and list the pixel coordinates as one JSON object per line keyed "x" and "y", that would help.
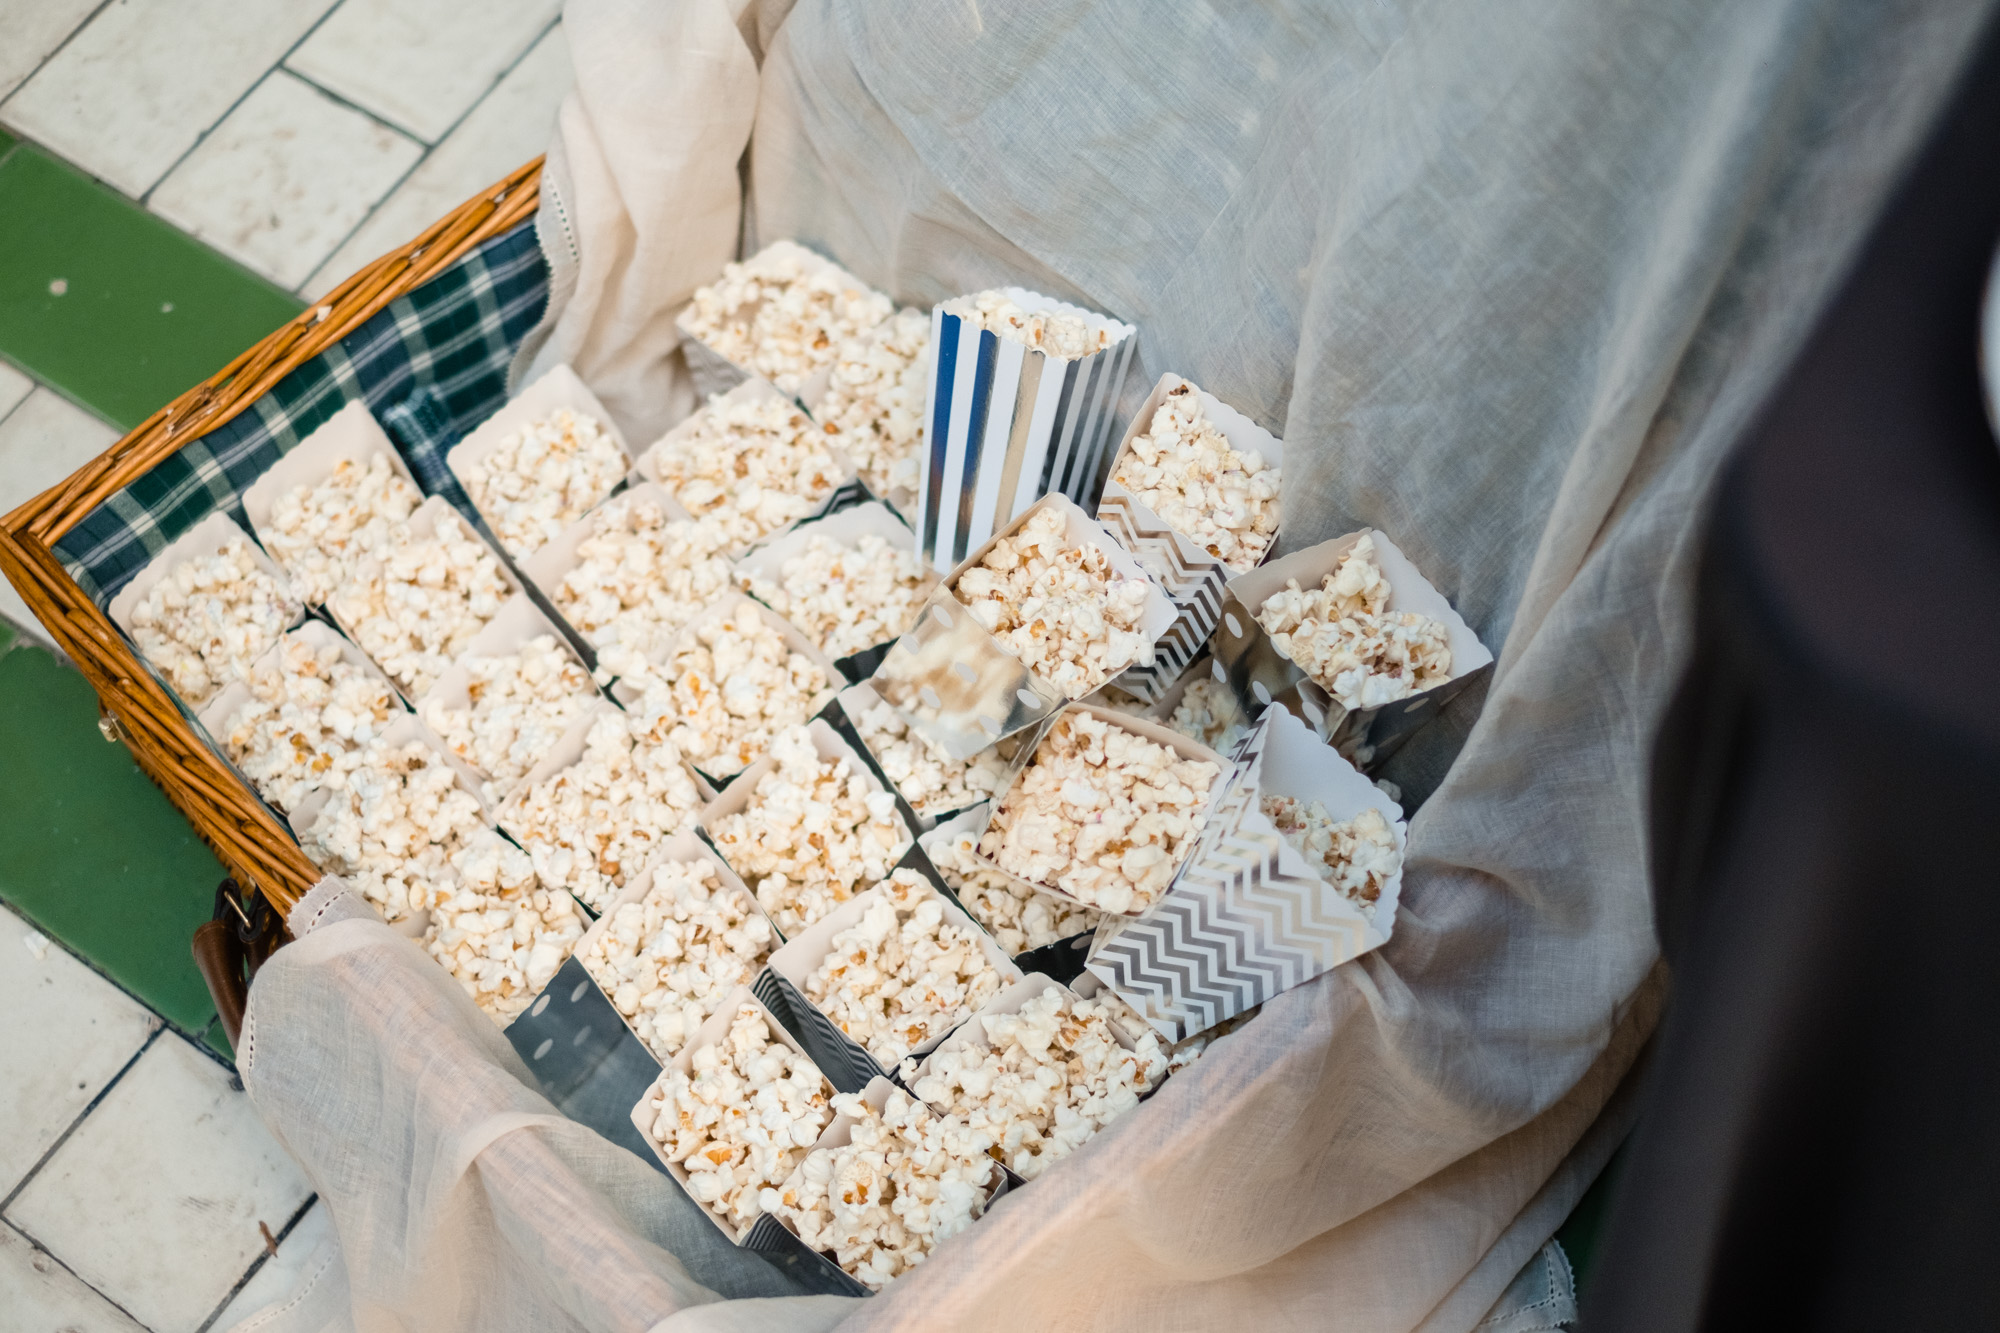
{"x": 56, "y": 1259}
{"x": 82, "y": 1115}
{"x": 431, "y": 149}
{"x": 88, "y": 19}
{"x": 284, "y": 1234}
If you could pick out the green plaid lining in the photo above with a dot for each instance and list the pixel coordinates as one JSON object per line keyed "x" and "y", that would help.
{"x": 431, "y": 366}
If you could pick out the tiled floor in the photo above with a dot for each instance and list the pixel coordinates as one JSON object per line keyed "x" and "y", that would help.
{"x": 177, "y": 178}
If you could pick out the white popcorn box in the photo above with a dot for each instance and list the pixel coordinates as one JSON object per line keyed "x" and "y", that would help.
{"x": 847, "y": 1064}
{"x": 715, "y": 373}
{"x": 575, "y": 740}
{"x": 558, "y": 389}
{"x": 1192, "y": 577}
{"x": 817, "y": 1273}
{"x": 547, "y": 568}
{"x": 954, "y": 682}
{"x": 215, "y": 714}
{"x": 626, "y": 694}
{"x": 205, "y": 538}
{"x": 715, "y": 1030}
{"x": 831, "y": 747}
{"x": 1260, "y": 675}
{"x": 901, "y": 499}
{"x": 1249, "y": 917}
{"x": 1005, "y": 425}
{"x": 350, "y": 435}
{"x": 840, "y": 714}
{"x": 845, "y": 491}
{"x": 767, "y": 561}
{"x": 1138, "y": 726}
{"x": 1060, "y": 959}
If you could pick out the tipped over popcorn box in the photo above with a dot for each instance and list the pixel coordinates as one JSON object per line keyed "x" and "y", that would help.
{"x": 886, "y": 975}
{"x": 734, "y": 1114}
{"x": 808, "y": 826}
{"x": 1023, "y": 402}
{"x": 751, "y": 460}
{"x": 1298, "y": 871}
{"x": 541, "y": 462}
{"x": 734, "y": 677}
{"x": 1364, "y": 649}
{"x": 849, "y": 580}
{"x": 1045, "y": 611}
{"x": 1104, "y": 810}
{"x": 781, "y": 315}
{"x": 1193, "y": 495}
{"x": 205, "y": 608}
{"x": 888, "y": 1182}
{"x": 509, "y": 698}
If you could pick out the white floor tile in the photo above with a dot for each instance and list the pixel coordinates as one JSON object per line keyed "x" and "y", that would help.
{"x": 71, "y": 1032}
{"x": 38, "y": 1296}
{"x": 42, "y": 441}
{"x": 34, "y": 28}
{"x": 279, "y": 1276}
{"x": 14, "y": 386}
{"x": 144, "y": 79}
{"x": 510, "y": 126}
{"x": 155, "y": 1198}
{"x": 420, "y": 63}
{"x": 284, "y": 178}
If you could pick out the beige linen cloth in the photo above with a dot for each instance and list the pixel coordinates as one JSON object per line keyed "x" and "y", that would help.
{"x": 1508, "y": 279}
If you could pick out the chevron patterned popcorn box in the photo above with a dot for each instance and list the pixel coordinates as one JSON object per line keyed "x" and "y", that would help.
{"x": 1193, "y": 577}
{"x": 1260, "y": 675}
{"x": 1249, "y": 917}
{"x": 956, "y": 683}
{"x": 1006, "y": 424}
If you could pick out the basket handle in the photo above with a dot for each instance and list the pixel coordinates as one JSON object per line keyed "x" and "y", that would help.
{"x": 230, "y": 947}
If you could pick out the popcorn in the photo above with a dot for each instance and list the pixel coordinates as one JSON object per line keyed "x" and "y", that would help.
{"x": 902, "y": 975}
{"x": 639, "y": 578}
{"x": 542, "y": 477}
{"x": 929, "y": 779}
{"x": 740, "y": 1119}
{"x": 209, "y": 618}
{"x": 1208, "y": 712}
{"x": 783, "y": 314}
{"x": 1043, "y": 1081}
{"x": 308, "y": 721}
{"x": 1343, "y": 635}
{"x": 845, "y": 597}
{"x": 417, "y": 602}
{"x": 396, "y": 828}
{"x": 594, "y": 824}
{"x": 1101, "y": 813}
{"x": 753, "y": 464}
{"x": 670, "y": 959}
{"x": 813, "y": 835}
{"x": 1018, "y": 916}
{"x": 1356, "y": 856}
{"x": 874, "y": 403}
{"x": 520, "y": 705}
{"x": 1062, "y": 335}
{"x": 1182, "y": 1053}
{"x": 497, "y": 931}
{"x": 727, "y": 692}
{"x": 905, "y": 1182}
{"x": 320, "y": 532}
{"x": 1063, "y": 610}
{"x": 1186, "y": 471}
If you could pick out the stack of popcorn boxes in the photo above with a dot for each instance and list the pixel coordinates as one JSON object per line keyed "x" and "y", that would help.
{"x": 855, "y": 894}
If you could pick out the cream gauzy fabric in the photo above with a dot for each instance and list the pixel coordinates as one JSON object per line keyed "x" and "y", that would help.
{"x": 1508, "y": 279}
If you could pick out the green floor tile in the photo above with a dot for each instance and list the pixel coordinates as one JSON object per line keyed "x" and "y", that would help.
{"x": 90, "y": 851}
{"x": 145, "y": 311}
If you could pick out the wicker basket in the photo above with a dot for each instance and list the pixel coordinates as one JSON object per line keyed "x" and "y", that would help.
{"x": 244, "y": 834}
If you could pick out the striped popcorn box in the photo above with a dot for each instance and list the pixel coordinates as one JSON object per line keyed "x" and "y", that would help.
{"x": 1192, "y": 574}
{"x": 1249, "y": 916}
{"x": 1008, "y": 423}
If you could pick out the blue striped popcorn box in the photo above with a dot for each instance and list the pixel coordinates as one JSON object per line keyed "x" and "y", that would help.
{"x": 1007, "y": 424}
{"x": 1249, "y": 916}
{"x": 1192, "y": 575}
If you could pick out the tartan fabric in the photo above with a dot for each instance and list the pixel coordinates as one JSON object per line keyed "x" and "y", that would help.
{"x": 431, "y": 365}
